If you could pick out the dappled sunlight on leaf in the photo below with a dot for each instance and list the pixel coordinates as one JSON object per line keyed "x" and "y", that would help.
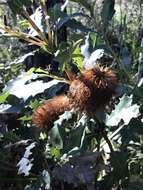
{"x": 125, "y": 110}
{"x": 19, "y": 88}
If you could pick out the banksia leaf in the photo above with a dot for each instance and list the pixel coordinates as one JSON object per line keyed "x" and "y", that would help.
{"x": 124, "y": 110}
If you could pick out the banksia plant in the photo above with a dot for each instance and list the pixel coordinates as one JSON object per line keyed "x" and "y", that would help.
{"x": 46, "y": 114}
{"x": 88, "y": 93}
{"x": 92, "y": 89}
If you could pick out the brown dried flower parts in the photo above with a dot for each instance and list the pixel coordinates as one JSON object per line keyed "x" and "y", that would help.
{"x": 46, "y": 114}
{"x": 90, "y": 91}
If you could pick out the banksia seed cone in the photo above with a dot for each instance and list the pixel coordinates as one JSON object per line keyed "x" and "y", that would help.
{"x": 100, "y": 77}
{"x": 89, "y": 92}
{"x": 79, "y": 94}
{"x": 46, "y": 114}
{"x": 93, "y": 89}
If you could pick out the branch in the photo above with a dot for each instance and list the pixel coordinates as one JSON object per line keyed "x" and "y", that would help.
{"x": 108, "y": 142}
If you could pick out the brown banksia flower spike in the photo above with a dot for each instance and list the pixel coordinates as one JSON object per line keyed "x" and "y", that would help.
{"x": 100, "y": 77}
{"x": 88, "y": 92}
{"x": 47, "y": 113}
{"x": 79, "y": 94}
{"x": 92, "y": 89}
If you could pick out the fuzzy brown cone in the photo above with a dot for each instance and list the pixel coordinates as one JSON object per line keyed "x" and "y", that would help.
{"x": 46, "y": 114}
{"x": 89, "y": 92}
{"x": 93, "y": 89}
{"x": 79, "y": 94}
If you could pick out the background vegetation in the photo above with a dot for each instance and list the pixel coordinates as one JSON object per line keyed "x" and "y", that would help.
{"x": 39, "y": 49}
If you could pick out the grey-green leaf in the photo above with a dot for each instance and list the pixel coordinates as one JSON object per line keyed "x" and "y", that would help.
{"x": 124, "y": 110}
{"x": 46, "y": 179}
{"x": 17, "y": 5}
{"x": 56, "y": 137}
{"x": 21, "y": 89}
{"x": 107, "y": 12}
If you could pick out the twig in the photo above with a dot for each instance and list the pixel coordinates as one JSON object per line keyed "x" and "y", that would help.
{"x": 104, "y": 135}
{"x": 22, "y": 35}
{"x": 25, "y": 14}
{"x": 47, "y": 22}
{"x": 108, "y": 141}
{"x": 53, "y": 76}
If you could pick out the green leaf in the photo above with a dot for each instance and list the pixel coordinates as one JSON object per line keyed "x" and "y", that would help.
{"x": 11, "y": 136}
{"x": 27, "y": 2}
{"x": 3, "y": 97}
{"x": 17, "y": 5}
{"x": 63, "y": 54}
{"x": 25, "y": 24}
{"x": 78, "y": 58}
{"x": 66, "y": 51}
{"x": 124, "y": 110}
{"x": 35, "y": 104}
{"x": 131, "y": 133}
{"x": 56, "y": 132}
{"x": 55, "y": 152}
{"x": 119, "y": 165}
{"x": 19, "y": 87}
{"x": 25, "y": 118}
{"x": 107, "y": 12}
{"x": 92, "y": 39}
{"x": 56, "y": 137}
{"x": 77, "y": 135}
